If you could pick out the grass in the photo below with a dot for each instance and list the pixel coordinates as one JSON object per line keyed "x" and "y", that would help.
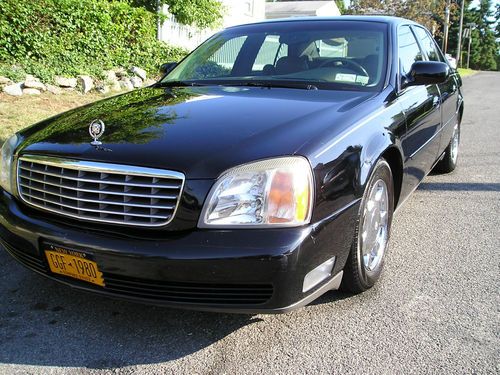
{"x": 466, "y": 72}
{"x": 18, "y": 112}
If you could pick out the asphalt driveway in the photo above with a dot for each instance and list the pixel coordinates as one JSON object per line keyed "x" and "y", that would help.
{"x": 435, "y": 310}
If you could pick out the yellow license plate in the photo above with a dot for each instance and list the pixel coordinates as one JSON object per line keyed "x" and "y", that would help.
{"x": 73, "y": 264}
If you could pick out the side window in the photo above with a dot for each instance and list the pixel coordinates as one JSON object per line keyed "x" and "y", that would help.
{"x": 427, "y": 44}
{"x": 270, "y": 51}
{"x": 409, "y": 51}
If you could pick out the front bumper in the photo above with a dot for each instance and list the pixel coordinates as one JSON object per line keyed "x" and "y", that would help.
{"x": 247, "y": 271}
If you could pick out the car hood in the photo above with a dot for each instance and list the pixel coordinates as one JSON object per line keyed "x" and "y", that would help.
{"x": 200, "y": 131}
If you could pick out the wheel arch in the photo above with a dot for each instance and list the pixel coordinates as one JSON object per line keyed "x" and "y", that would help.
{"x": 388, "y": 147}
{"x": 393, "y": 156}
{"x": 461, "y": 111}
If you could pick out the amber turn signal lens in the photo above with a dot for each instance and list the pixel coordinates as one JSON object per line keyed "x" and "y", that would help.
{"x": 288, "y": 198}
{"x": 280, "y": 202}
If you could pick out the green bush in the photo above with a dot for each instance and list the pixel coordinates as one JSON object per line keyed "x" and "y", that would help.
{"x": 71, "y": 37}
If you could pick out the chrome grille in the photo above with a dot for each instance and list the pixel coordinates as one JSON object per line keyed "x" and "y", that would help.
{"x": 110, "y": 193}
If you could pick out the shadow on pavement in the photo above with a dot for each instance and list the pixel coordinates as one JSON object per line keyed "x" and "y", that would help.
{"x": 43, "y": 323}
{"x": 454, "y": 186}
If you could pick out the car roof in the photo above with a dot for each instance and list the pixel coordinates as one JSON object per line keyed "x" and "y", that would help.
{"x": 380, "y": 19}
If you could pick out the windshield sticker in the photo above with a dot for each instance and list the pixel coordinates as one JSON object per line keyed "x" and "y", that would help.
{"x": 344, "y": 77}
{"x": 362, "y": 79}
{"x": 351, "y": 78}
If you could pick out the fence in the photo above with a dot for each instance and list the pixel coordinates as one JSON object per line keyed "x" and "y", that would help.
{"x": 188, "y": 37}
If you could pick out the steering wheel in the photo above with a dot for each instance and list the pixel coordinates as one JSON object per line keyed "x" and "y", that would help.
{"x": 347, "y": 63}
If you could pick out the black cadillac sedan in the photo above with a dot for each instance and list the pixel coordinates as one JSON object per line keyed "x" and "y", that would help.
{"x": 259, "y": 173}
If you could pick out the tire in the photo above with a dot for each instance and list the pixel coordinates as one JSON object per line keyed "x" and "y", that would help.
{"x": 449, "y": 161}
{"x": 361, "y": 271}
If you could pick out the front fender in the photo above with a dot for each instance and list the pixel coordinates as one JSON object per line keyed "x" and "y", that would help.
{"x": 343, "y": 165}
{"x": 379, "y": 146}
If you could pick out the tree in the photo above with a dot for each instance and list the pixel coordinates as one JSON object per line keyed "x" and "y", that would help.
{"x": 454, "y": 25}
{"x": 70, "y": 37}
{"x": 485, "y": 51}
{"x": 497, "y": 33}
{"x": 484, "y": 47}
{"x": 341, "y": 6}
{"x": 429, "y": 13}
{"x": 200, "y": 13}
{"x": 497, "y": 19}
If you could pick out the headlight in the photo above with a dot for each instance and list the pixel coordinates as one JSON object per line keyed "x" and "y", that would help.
{"x": 6, "y": 157}
{"x": 269, "y": 193}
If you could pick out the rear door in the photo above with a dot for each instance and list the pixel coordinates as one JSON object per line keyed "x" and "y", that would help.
{"x": 421, "y": 106}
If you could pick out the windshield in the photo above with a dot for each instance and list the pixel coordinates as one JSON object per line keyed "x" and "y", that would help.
{"x": 349, "y": 55}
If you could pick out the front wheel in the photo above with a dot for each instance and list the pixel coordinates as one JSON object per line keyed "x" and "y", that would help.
{"x": 366, "y": 258}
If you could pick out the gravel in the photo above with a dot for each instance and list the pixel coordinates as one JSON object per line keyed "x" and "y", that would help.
{"x": 435, "y": 310}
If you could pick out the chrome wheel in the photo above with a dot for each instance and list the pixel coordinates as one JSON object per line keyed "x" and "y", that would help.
{"x": 366, "y": 257}
{"x": 375, "y": 226}
{"x": 455, "y": 141}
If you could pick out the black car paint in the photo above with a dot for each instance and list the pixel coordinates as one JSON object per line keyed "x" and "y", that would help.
{"x": 281, "y": 257}
{"x": 203, "y": 131}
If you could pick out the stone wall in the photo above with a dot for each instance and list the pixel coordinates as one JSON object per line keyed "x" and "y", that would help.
{"x": 116, "y": 80}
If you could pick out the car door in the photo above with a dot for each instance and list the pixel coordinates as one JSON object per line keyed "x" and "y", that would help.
{"x": 448, "y": 89}
{"x": 421, "y": 107}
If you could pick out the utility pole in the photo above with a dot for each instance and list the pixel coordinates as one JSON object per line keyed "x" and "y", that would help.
{"x": 468, "y": 49}
{"x": 446, "y": 25}
{"x": 470, "y": 26}
{"x": 460, "y": 32}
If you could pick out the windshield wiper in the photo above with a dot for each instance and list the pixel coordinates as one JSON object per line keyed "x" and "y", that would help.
{"x": 287, "y": 85}
{"x": 265, "y": 84}
{"x": 178, "y": 84}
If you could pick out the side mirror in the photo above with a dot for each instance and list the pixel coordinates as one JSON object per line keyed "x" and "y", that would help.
{"x": 168, "y": 67}
{"x": 428, "y": 73}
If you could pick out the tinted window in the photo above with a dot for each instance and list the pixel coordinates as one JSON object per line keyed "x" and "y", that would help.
{"x": 328, "y": 55}
{"x": 409, "y": 51}
{"x": 427, "y": 44}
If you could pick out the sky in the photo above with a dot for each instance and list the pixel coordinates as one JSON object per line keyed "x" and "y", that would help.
{"x": 495, "y": 2}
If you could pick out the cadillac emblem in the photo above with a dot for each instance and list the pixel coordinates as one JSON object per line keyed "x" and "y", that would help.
{"x": 96, "y": 130}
